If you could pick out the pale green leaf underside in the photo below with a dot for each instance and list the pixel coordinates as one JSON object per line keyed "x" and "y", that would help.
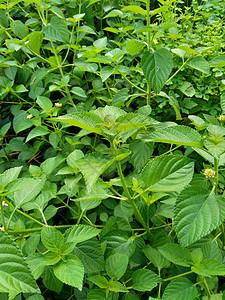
{"x": 197, "y": 213}
{"x": 180, "y": 288}
{"x": 15, "y": 275}
{"x": 168, "y": 173}
{"x": 178, "y": 135}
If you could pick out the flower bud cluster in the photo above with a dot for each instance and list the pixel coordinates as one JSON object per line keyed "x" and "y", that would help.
{"x": 209, "y": 173}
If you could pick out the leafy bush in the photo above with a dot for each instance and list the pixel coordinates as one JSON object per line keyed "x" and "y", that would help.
{"x": 112, "y": 150}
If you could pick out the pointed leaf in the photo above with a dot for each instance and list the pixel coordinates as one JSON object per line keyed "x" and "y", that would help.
{"x": 91, "y": 255}
{"x": 197, "y": 213}
{"x": 80, "y": 233}
{"x": 209, "y": 267}
{"x": 156, "y": 257}
{"x": 176, "y": 254}
{"x": 116, "y": 265}
{"x": 144, "y": 280}
{"x": 168, "y": 173}
{"x": 87, "y": 121}
{"x": 199, "y": 63}
{"x": 37, "y": 131}
{"x": 9, "y": 175}
{"x": 180, "y": 288}
{"x": 157, "y": 67}
{"x": 15, "y": 275}
{"x": 56, "y": 30}
{"x": 92, "y": 166}
{"x": 52, "y": 239}
{"x": 70, "y": 271}
{"x": 178, "y": 135}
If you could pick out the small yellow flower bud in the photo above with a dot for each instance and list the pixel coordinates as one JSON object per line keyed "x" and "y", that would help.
{"x": 57, "y": 104}
{"x": 221, "y": 118}
{"x": 155, "y": 42}
{"x": 209, "y": 173}
{"x": 30, "y": 116}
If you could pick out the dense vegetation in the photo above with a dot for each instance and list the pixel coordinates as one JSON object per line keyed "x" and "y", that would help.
{"x": 112, "y": 150}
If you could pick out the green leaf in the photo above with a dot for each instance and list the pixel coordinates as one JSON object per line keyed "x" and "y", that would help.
{"x": 106, "y": 72}
{"x": 52, "y": 239}
{"x": 120, "y": 97}
{"x": 51, "y": 282}
{"x": 134, "y": 48}
{"x": 135, "y": 9}
{"x": 176, "y": 254}
{"x": 80, "y": 233}
{"x": 116, "y": 265}
{"x": 88, "y": 121}
{"x": 180, "y": 288}
{"x": 79, "y": 92}
{"x": 27, "y": 189}
{"x": 73, "y": 157}
{"x": 9, "y": 175}
{"x": 144, "y": 280}
{"x": 92, "y": 166}
{"x": 178, "y": 135}
{"x": 116, "y": 286}
{"x": 70, "y": 271}
{"x": 96, "y": 294}
{"x": 168, "y": 173}
{"x": 187, "y": 89}
{"x": 4, "y": 21}
{"x": 141, "y": 151}
{"x": 218, "y": 61}
{"x": 209, "y": 267}
{"x": 222, "y": 102}
{"x": 86, "y": 29}
{"x": 20, "y": 121}
{"x": 37, "y": 131}
{"x": 156, "y": 257}
{"x": 91, "y": 255}
{"x": 44, "y": 102}
{"x": 99, "y": 280}
{"x": 197, "y": 212}
{"x": 13, "y": 263}
{"x": 157, "y": 67}
{"x": 199, "y": 63}
{"x": 56, "y": 30}
{"x": 19, "y": 29}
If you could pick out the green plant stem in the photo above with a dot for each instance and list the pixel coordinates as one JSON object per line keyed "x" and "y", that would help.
{"x": 206, "y": 286}
{"x": 177, "y": 276}
{"x": 127, "y": 193}
{"x": 24, "y": 214}
{"x": 177, "y": 71}
{"x": 149, "y": 46}
{"x": 61, "y": 72}
{"x": 216, "y": 166}
{"x": 134, "y": 85}
{"x": 2, "y": 213}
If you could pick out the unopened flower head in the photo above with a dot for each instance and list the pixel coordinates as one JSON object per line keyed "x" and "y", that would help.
{"x": 57, "y": 104}
{"x": 209, "y": 173}
{"x": 221, "y": 118}
{"x": 30, "y": 116}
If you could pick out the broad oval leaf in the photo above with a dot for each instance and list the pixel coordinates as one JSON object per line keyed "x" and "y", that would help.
{"x": 199, "y": 63}
{"x": 197, "y": 212}
{"x": 56, "y": 30}
{"x": 70, "y": 271}
{"x": 176, "y": 254}
{"x": 86, "y": 120}
{"x": 80, "y": 233}
{"x": 116, "y": 265}
{"x": 52, "y": 239}
{"x": 180, "y": 288}
{"x": 156, "y": 257}
{"x": 157, "y": 67}
{"x": 209, "y": 267}
{"x": 144, "y": 280}
{"x": 15, "y": 275}
{"x": 168, "y": 173}
{"x": 178, "y": 135}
